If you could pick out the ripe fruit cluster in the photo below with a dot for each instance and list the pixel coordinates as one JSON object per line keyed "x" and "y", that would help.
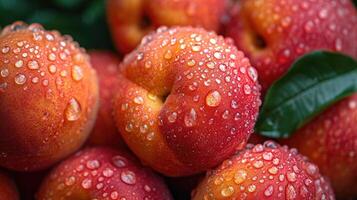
{"x": 184, "y": 100}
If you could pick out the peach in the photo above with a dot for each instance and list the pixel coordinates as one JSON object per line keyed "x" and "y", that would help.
{"x": 107, "y": 66}
{"x": 102, "y": 173}
{"x": 330, "y": 140}
{"x": 130, "y": 20}
{"x": 8, "y": 189}
{"x": 274, "y": 33}
{"x": 48, "y": 97}
{"x": 187, "y": 100}
{"x": 266, "y": 171}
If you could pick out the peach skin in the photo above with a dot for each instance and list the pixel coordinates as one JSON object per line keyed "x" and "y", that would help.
{"x": 102, "y": 173}
{"x": 330, "y": 141}
{"x": 265, "y": 172}
{"x": 48, "y": 97}
{"x": 188, "y": 99}
{"x": 274, "y": 33}
{"x": 131, "y": 20}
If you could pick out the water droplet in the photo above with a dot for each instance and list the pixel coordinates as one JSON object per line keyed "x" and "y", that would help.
{"x": 93, "y": 164}
{"x": 129, "y": 127}
{"x": 210, "y": 65}
{"x": 190, "y": 118}
{"x": 218, "y": 55}
{"x": 168, "y": 55}
{"x": 150, "y": 136}
{"x": 311, "y": 169}
{"x": 172, "y": 117}
{"x": 252, "y": 188}
{"x": 323, "y": 13}
{"x": 269, "y": 191}
{"x": 247, "y": 89}
{"x": 139, "y": 100}
{"x": 191, "y": 63}
{"x": 19, "y": 63}
{"x": 87, "y": 183}
{"x": 108, "y": 172}
{"x": 227, "y": 192}
{"x": 73, "y": 110}
{"x": 52, "y": 69}
{"x": 20, "y": 79}
{"x": 128, "y": 177}
{"x": 273, "y": 170}
{"x": 77, "y": 73}
{"x": 222, "y": 67}
{"x": 252, "y": 73}
{"x": 119, "y": 161}
{"x": 213, "y": 98}
{"x": 4, "y": 73}
{"x": 5, "y": 49}
{"x": 114, "y": 195}
{"x": 258, "y": 164}
{"x": 309, "y": 26}
{"x": 290, "y": 192}
{"x": 52, "y": 57}
{"x": 338, "y": 44}
{"x": 196, "y": 48}
{"x": 234, "y": 104}
{"x": 70, "y": 180}
{"x": 240, "y": 176}
{"x": 147, "y": 188}
{"x": 213, "y": 41}
{"x": 33, "y": 64}
{"x": 267, "y": 156}
{"x": 225, "y": 114}
{"x": 140, "y": 56}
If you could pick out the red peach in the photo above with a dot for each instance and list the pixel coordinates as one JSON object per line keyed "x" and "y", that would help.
{"x": 330, "y": 141}
{"x": 130, "y": 20}
{"x": 262, "y": 172}
{"x": 187, "y": 100}
{"x": 107, "y": 66}
{"x": 8, "y": 189}
{"x": 48, "y": 97}
{"x": 102, "y": 173}
{"x": 274, "y": 33}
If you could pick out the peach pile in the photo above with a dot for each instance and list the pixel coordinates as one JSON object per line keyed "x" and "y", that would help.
{"x": 188, "y": 100}
{"x": 131, "y": 20}
{"x": 48, "y": 97}
{"x": 179, "y": 107}
{"x": 273, "y": 33}
{"x": 102, "y": 173}
{"x": 266, "y": 171}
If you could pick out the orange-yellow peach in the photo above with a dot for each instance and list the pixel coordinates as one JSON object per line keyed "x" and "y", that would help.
{"x": 102, "y": 173}
{"x": 330, "y": 141}
{"x": 48, "y": 97}
{"x": 274, "y": 33}
{"x": 107, "y": 66}
{"x": 131, "y": 20}
{"x": 265, "y": 172}
{"x": 187, "y": 100}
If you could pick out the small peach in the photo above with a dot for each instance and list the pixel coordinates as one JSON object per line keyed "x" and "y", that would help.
{"x": 48, "y": 97}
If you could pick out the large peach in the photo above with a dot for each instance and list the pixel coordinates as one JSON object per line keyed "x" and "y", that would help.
{"x": 104, "y": 131}
{"x": 262, "y": 172}
{"x": 102, "y": 173}
{"x": 48, "y": 97}
{"x": 187, "y": 100}
{"x": 273, "y": 33}
{"x": 8, "y": 189}
{"x": 130, "y": 20}
{"x": 330, "y": 141}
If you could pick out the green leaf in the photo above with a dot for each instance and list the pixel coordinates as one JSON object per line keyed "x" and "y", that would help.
{"x": 314, "y": 82}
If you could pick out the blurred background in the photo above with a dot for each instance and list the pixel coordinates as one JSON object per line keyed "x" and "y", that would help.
{"x": 84, "y": 20}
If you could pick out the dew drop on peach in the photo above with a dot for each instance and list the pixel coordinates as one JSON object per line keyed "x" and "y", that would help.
{"x": 73, "y": 110}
